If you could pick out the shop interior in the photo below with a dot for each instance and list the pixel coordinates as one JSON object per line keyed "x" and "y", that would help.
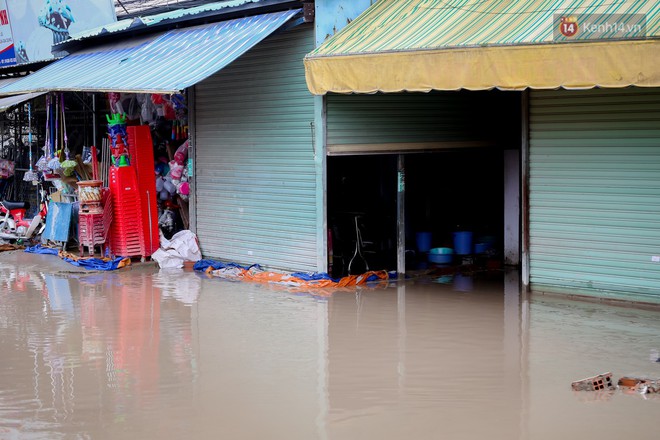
{"x": 454, "y": 203}
{"x": 446, "y": 192}
{"x": 67, "y": 158}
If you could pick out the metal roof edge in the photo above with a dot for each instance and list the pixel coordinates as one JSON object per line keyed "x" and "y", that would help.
{"x": 141, "y": 25}
{"x": 21, "y": 69}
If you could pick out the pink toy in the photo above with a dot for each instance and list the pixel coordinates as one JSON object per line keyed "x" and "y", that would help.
{"x": 181, "y": 153}
{"x": 176, "y": 170}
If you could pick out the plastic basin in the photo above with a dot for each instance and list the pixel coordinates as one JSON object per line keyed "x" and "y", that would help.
{"x": 441, "y": 255}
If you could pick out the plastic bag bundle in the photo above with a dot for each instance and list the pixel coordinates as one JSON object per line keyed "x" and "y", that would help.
{"x": 68, "y": 167}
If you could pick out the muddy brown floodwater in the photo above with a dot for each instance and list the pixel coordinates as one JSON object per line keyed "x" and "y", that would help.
{"x": 142, "y": 354}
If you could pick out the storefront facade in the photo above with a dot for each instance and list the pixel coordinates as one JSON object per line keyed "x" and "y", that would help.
{"x": 256, "y": 172}
{"x": 588, "y": 157}
{"x": 594, "y": 187}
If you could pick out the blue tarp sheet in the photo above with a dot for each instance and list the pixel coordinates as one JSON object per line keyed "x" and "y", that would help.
{"x": 86, "y": 263}
{"x": 202, "y": 265}
{"x": 39, "y": 249}
{"x": 96, "y": 263}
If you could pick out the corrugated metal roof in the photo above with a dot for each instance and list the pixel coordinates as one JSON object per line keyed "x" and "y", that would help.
{"x": 11, "y": 101}
{"x": 129, "y": 8}
{"x": 162, "y": 63}
{"x": 413, "y": 25}
{"x": 151, "y": 20}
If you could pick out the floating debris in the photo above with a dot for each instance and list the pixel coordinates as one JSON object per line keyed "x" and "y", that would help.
{"x": 595, "y": 383}
{"x": 642, "y": 385}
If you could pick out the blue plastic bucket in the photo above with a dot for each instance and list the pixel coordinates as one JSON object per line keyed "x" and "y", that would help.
{"x": 423, "y": 241}
{"x": 463, "y": 243}
{"x": 481, "y": 248}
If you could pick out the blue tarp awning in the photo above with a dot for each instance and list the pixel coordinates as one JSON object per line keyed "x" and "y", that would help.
{"x": 163, "y": 63}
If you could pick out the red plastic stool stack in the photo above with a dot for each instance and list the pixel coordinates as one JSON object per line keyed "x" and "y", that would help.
{"x": 141, "y": 150}
{"x": 94, "y": 224}
{"x": 126, "y": 231}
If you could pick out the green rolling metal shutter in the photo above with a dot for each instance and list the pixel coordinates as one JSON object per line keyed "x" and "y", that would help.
{"x": 384, "y": 118}
{"x": 255, "y": 172}
{"x": 595, "y": 192}
{"x": 429, "y": 120}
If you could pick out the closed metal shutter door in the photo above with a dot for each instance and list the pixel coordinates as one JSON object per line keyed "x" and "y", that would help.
{"x": 595, "y": 192}
{"x": 400, "y": 122}
{"x": 256, "y": 180}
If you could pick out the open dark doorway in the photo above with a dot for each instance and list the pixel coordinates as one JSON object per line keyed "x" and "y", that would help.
{"x": 362, "y": 213}
{"x": 454, "y": 200}
{"x": 446, "y": 192}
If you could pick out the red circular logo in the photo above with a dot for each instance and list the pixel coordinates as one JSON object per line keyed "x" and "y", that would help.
{"x": 568, "y": 26}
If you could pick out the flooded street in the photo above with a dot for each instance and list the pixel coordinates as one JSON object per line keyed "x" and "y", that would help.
{"x": 138, "y": 354}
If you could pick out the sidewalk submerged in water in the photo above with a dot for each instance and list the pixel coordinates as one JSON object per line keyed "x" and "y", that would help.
{"x": 53, "y": 264}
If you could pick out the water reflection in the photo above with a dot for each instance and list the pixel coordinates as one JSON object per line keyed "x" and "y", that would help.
{"x": 174, "y": 354}
{"x": 84, "y": 355}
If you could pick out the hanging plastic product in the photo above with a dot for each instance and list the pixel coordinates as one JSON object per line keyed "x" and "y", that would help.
{"x": 30, "y": 175}
{"x": 68, "y": 165}
{"x": 118, "y": 139}
{"x": 54, "y": 161}
{"x": 42, "y": 163}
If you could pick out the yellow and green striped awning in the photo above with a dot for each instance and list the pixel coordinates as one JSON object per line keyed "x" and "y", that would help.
{"x": 422, "y": 45}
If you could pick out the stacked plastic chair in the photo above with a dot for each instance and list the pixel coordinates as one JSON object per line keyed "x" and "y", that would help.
{"x": 94, "y": 224}
{"x": 126, "y": 232}
{"x": 141, "y": 150}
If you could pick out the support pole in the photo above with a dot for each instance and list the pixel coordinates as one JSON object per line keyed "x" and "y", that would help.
{"x": 401, "y": 216}
{"x": 524, "y": 171}
{"x": 94, "y": 121}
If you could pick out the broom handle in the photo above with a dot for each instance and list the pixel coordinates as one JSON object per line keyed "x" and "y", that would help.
{"x": 95, "y": 164}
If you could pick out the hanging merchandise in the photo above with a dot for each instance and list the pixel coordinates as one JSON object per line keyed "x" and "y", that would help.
{"x": 147, "y": 108}
{"x": 30, "y": 175}
{"x": 6, "y": 169}
{"x": 54, "y": 161}
{"x": 159, "y": 103}
{"x": 42, "y": 163}
{"x": 68, "y": 165}
{"x": 118, "y": 139}
{"x": 115, "y": 103}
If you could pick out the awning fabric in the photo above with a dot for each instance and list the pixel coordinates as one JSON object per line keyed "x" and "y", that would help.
{"x": 165, "y": 63}
{"x": 423, "y": 45}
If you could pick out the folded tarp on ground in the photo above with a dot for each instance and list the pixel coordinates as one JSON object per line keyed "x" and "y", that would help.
{"x": 299, "y": 279}
{"x": 39, "y": 249}
{"x": 98, "y": 263}
{"x": 89, "y": 263}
